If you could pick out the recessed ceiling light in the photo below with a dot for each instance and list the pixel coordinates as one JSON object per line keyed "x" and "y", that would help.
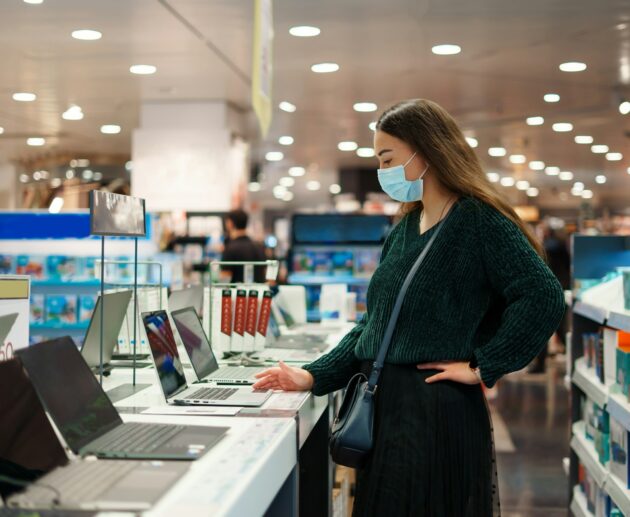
{"x": 535, "y": 121}
{"x": 70, "y": 174}
{"x": 628, "y": 170}
{"x": 34, "y": 2}
{"x": 87, "y": 34}
{"x": 98, "y": 176}
{"x": 287, "y": 106}
{"x": 537, "y": 165}
{"x": 24, "y": 97}
{"x": 372, "y": 126}
{"x": 254, "y": 186}
{"x": 44, "y": 174}
{"x": 587, "y": 194}
{"x": 583, "y": 139}
{"x": 81, "y": 162}
{"x": 497, "y": 151}
{"x": 1, "y": 130}
{"x": 614, "y": 157}
{"x": 296, "y": 172}
{"x": 562, "y": 127}
{"x": 552, "y": 171}
{"x": 110, "y": 129}
{"x": 87, "y": 174}
{"x": 304, "y": 31}
{"x": 493, "y": 177}
{"x": 142, "y": 69}
{"x": 599, "y": 149}
{"x": 334, "y": 189}
{"x": 566, "y": 176}
{"x": 624, "y": 107}
{"x": 55, "y": 182}
{"x": 285, "y": 140}
{"x": 365, "y": 107}
{"x": 472, "y": 142}
{"x": 24, "y": 178}
{"x": 287, "y": 181}
{"x": 517, "y": 158}
{"x": 274, "y": 156}
{"x": 35, "y": 141}
{"x": 551, "y": 97}
{"x": 37, "y": 176}
{"x": 532, "y": 192}
{"x": 313, "y": 185}
{"x": 508, "y": 181}
{"x": 446, "y": 49}
{"x": 522, "y": 185}
{"x": 578, "y": 185}
{"x": 572, "y": 66}
{"x": 347, "y": 146}
{"x": 325, "y": 68}
{"x": 601, "y": 179}
{"x": 288, "y": 196}
{"x": 279, "y": 190}
{"x": 73, "y": 113}
{"x": 365, "y": 152}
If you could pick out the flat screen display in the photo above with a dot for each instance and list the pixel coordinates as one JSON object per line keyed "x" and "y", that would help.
{"x": 164, "y": 350}
{"x": 340, "y": 229}
{"x": 195, "y": 341}
{"x": 69, "y": 391}
{"x": 116, "y": 214}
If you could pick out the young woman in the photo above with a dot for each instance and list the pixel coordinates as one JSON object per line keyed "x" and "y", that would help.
{"x": 482, "y": 304}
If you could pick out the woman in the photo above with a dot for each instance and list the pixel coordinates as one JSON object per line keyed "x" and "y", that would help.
{"x": 482, "y": 304}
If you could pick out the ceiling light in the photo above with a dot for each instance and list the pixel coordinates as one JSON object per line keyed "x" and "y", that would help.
{"x": 254, "y": 186}
{"x": 446, "y": 49}
{"x": 562, "y": 127}
{"x": 37, "y": 176}
{"x": 334, "y": 189}
{"x": 274, "y": 156}
{"x": 56, "y": 205}
{"x": 551, "y": 97}
{"x": 35, "y": 141}
{"x": 578, "y": 186}
{"x": 522, "y": 185}
{"x": 81, "y": 162}
{"x": 372, "y": 126}
{"x": 365, "y": 152}
{"x": 552, "y": 171}
{"x": 55, "y": 182}
{"x": 576, "y": 192}
{"x": 69, "y": 174}
{"x": 72, "y": 113}
{"x": 614, "y": 157}
{"x": 325, "y": 68}
{"x": 1, "y": 130}
{"x": 296, "y": 172}
{"x": 587, "y": 194}
{"x": 497, "y": 151}
{"x": 535, "y": 121}
{"x": 288, "y": 196}
{"x": 87, "y": 174}
{"x": 493, "y": 177}
{"x": 566, "y": 176}
{"x": 536, "y": 165}
{"x": 599, "y": 149}
{"x": 44, "y": 174}
{"x": 517, "y": 158}
{"x": 24, "y": 97}
{"x": 285, "y": 140}
{"x": 287, "y": 181}
{"x": 304, "y": 31}
{"x": 583, "y": 139}
{"x": 572, "y": 66}
{"x": 533, "y": 192}
{"x": 142, "y": 69}
{"x": 628, "y": 170}
{"x": 128, "y": 166}
{"x": 86, "y": 34}
{"x": 472, "y": 142}
{"x": 624, "y": 108}
{"x": 98, "y": 176}
{"x": 313, "y": 185}
{"x": 600, "y": 180}
{"x": 508, "y": 181}
{"x": 364, "y": 107}
{"x": 110, "y": 129}
{"x": 279, "y": 191}
{"x": 24, "y": 178}
{"x": 34, "y": 2}
{"x": 287, "y": 106}
{"x": 347, "y": 146}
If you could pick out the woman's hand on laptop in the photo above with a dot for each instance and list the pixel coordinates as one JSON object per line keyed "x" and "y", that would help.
{"x": 284, "y": 377}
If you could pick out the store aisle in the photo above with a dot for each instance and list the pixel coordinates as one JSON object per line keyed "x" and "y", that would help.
{"x": 535, "y": 409}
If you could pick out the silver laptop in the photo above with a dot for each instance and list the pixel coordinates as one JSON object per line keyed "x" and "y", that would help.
{"x": 188, "y": 297}
{"x": 288, "y": 327}
{"x": 293, "y": 341}
{"x": 170, "y": 371}
{"x": 201, "y": 355}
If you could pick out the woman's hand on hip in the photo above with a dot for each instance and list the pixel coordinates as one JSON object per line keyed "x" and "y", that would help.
{"x": 284, "y": 377}
{"x": 451, "y": 371}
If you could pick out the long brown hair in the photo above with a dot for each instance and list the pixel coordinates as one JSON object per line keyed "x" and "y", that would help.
{"x": 429, "y": 129}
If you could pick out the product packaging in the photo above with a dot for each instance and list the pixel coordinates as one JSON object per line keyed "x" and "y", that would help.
{"x": 61, "y": 309}
{"x": 86, "y": 307}
{"x": 251, "y": 318}
{"x": 37, "y": 309}
{"x": 263, "y": 320}
{"x": 240, "y": 313}
{"x": 619, "y": 451}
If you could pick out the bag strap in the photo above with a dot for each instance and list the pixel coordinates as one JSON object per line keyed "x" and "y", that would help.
{"x": 389, "y": 331}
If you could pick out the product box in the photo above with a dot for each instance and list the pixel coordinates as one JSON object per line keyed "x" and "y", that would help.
{"x": 321, "y": 261}
{"x": 30, "y": 265}
{"x": 622, "y": 366}
{"x": 6, "y": 264}
{"x": 37, "y": 309}
{"x": 240, "y": 313}
{"x": 251, "y": 318}
{"x": 61, "y": 309}
{"x": 60, "y": 267}
{"x": 599, "y": 356}
{"x": 302, "y": 263}
{"x": 86, "y": 307}
{"x": 366, "y": 262}
{"x": 263, "y": 320}
{"x": 602, "y": 503}
{"x": 619, "y": 452}
{"x": 342, "y": 263}
{"x": 221, "y": 320}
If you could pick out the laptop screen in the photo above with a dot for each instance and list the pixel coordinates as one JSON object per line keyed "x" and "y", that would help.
{"x": 189, "y": 297}
{"x": 164, "y": 351}
{"x": 195, "y": 342}
{"x": 69, "y": 391}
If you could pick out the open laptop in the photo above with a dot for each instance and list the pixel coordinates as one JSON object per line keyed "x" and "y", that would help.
{"x": 201, "y": 355}
{"x": 31, "y": 452}
{"x": 88, "y": 421}
{"x": 288, "y": 327}
{"x": 293, "y": 341}
{"x": 171, "y": 372}
{"x": 188, "y": 297}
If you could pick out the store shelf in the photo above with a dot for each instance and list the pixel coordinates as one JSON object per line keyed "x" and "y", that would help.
{"x": 619, "y": 409}
{"x": 587, "y": 454}
{"x": 592, "y": 312}
{"x": 618, "y": 493}
{"x": 59, "y": 326}
{"x": 70, "y": 283}
{"x": 588, "y": 382}
{"x": 619, "y": 321}
{"x": 579, "y": 507}
{"x": 307, "y": 279}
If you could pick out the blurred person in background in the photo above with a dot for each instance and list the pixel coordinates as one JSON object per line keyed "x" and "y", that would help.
{"x": 239, "y": 247}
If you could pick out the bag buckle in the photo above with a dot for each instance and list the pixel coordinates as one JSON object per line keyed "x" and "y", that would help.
{"x": 373, "y": 391}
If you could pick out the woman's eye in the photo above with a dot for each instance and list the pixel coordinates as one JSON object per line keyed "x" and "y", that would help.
{"x": 387, "y": 162}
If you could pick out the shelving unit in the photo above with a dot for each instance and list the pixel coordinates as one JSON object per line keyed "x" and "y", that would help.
{"x": 578, "y": 504}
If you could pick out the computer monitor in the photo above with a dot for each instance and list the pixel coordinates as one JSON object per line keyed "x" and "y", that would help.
{"x": 195, "y": 341}
{"x": 188, "y": 297}
{"x": 164, "y": 350}
{"x": 69, "y": 391}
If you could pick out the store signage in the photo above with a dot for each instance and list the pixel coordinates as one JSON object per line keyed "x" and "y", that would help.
{"x": 262, "y": 63}
{"x": 116, "y": 214}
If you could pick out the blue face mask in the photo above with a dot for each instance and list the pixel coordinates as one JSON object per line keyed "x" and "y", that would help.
{"x": 396, "y": 186}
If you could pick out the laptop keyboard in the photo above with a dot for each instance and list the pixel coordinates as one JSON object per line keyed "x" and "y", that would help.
{"x": 236, "y": 372}
{"x": 137, "y": 438}
{"x": 212, "y": 393}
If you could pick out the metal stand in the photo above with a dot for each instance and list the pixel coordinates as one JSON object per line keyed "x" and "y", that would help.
{"x": 135, "y": 306}
{"x": 100, "y": 362}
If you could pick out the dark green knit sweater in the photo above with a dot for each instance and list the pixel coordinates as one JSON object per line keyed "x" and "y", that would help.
{"x": 482, "y": 293}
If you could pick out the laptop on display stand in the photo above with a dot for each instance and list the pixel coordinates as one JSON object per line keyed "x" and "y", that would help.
{"x": 188, "y": 297}
{"x": 171, "y": 372}
{"x": 88, "y": 421}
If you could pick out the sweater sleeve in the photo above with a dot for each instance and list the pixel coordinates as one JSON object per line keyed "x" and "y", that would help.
{"x": 533, "y": 297}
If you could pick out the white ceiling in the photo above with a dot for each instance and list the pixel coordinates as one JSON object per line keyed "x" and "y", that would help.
{"x": 202, "y": 48}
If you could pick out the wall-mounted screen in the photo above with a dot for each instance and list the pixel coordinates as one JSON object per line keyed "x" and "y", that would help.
{"x": 116, "y": 214}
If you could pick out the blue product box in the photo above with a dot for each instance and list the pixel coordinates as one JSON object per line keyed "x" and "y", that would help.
{"x": 29, "y": 265}
{"x": 37, "y": 309}
{"x": 87, "y": 303}
{"x": 6, "y": 264}
{"x": 60, "y": 267}
{"x": 619, "y": 452}
{"x": 61, "y": 309}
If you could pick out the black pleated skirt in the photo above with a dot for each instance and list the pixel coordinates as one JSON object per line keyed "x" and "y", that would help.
{"x": 434, "y": 452}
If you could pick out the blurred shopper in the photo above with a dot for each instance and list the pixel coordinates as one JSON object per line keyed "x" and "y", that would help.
{"x": 240, "y": 247}
{"x": 482, "y": 304}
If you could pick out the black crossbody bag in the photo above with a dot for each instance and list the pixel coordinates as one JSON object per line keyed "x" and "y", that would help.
{"x": 352, "y": 439}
